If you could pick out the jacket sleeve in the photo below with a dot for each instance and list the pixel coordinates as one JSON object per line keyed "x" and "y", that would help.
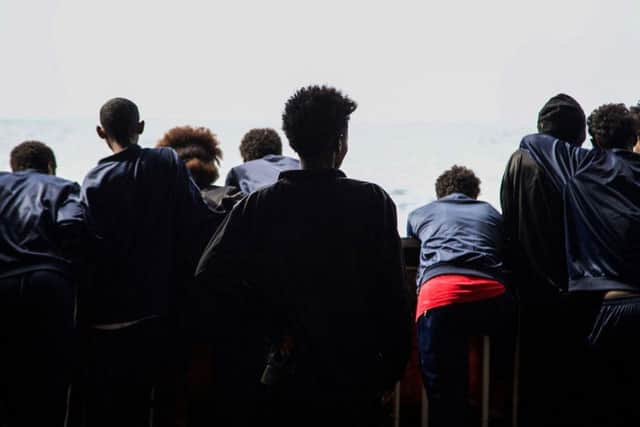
{"x": 195, "y": 223}
{"x": 395, "y": 323}
{"x": 559, "y": 160}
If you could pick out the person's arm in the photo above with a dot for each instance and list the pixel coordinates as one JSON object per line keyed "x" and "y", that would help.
{"x": 394, "y": 322}
{"x": 71, "y": 226}
{"x": 558, "y": 159}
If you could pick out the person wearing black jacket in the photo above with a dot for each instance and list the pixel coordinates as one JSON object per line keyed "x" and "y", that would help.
{"x": 601, "y": 197}
{"x": 313, "y": 263}
{"x": 149, "y": 225}
{"x": 551, "y": 324}
{"x": 41, "y": 217}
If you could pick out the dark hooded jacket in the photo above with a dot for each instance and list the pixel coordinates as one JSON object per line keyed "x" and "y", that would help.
{"x": 601, "y": 204}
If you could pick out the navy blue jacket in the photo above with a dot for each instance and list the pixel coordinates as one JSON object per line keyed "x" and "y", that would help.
{"x": 458, "y": 235}
{"x": 255, "y": 174}
{"x": 150, "y": 225}
{"x": 601, "y": 196}
{"x": 38, "y": 212}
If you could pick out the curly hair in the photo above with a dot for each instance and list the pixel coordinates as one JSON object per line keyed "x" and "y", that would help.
{"x": 33, "y": 155}
{"x": 315, "y": 118}
{"x": 612, "y": 126}
{"x": 458, "y": 179}
{"x": 258, "y": 143}
{"x": 200, "y": 150}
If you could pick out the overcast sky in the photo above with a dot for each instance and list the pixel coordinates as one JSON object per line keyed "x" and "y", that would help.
{"x": 416, "y": 61}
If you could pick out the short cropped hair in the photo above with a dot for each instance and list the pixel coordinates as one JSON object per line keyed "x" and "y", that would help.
{"x": 458, "y": 179}
{"x": 258, "y": 143}
{"x": 119, "y": 118}
{"x": 612, "y": 126}
{"x": 200, "y": 150}
{"x": 315, "y": 118}
{"x": 32, "y": 155}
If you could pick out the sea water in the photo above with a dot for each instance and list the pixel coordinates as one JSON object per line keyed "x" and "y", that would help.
{"x": 405, "y": 159}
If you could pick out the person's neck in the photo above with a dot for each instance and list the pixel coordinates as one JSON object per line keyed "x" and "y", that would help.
{"x": 117, "y": 147}
{"x": 321, "y": 162}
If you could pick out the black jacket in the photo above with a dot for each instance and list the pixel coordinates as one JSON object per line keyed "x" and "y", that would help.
{"x": 601, "y": 196}
{"x": 150, "y": 225}
{"x": 38, "y": 213}
{"x": 533, "y": 219}
{"x": 320, "y": 253}
{"x": 459, "y": 235}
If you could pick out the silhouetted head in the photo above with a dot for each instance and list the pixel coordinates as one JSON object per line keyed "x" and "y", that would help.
{"x": 120, "y": 122}
{"x": 316, "y": 121}
{"x": 33, "y": 155}
{"x": 458, "y": 179}
{"x": 563, "y": 118}
{"x": 199, "y": 149}
{"x": 258, "y": 143}
{"x": 612, "y": 126}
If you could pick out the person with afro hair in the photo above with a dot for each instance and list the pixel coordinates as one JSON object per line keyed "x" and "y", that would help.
{"x": 42, "y": 224}
{"x": 200, "y": 150}
{"x": 261, "y": 151}
{"x": 312, "y": 263}
{"x": 601, "y": 195}
{"x": 461, "y": 289}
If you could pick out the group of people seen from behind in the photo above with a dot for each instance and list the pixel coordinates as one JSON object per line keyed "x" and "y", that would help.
{"x": 151, "y": 295}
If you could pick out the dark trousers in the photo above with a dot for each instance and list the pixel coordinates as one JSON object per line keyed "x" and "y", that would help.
{"x": 130, "y": 376}
{"x": 443, "y": 347}
{"x": 36, "y": 335}
{"x": 616, "y": 370}
{"x": 556, "y": 377}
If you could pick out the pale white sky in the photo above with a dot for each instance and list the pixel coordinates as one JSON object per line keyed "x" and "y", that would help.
{"x": 416, "y": 61}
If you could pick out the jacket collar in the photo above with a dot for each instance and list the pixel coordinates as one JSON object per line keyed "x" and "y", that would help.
{"x": 311, "y": 174}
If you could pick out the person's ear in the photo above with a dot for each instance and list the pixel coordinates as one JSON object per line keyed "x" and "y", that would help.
{"x": 101, "y": 133}
{"x": 140, "y": 127}
{"x": 51, "y": 168}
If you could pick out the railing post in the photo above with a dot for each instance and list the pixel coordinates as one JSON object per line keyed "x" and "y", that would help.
{"x": 396, "y": 405}
{"x": 424, "y": 409}
{"x": 486, "y": 380}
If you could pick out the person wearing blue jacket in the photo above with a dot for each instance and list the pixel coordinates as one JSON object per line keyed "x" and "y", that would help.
{"x": 149, "y": 224}
{"x": 261, "y": 151}
{"x": 462, "y": 292}
{"x": 601, "y": 197}
{"x": 41, "y": 218}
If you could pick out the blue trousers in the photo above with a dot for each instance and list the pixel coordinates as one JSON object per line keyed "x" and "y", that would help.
{"x": 443, "y": 347}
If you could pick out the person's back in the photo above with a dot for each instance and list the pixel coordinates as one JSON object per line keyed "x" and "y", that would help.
{"x": 41, "y": 220}
{"x": 601, "y": 194}
{"x": 149, "y": 225}
{"x": 144, "y": 215}
{"x": 318, "y": 257}
{"x": 462, "y": 291}
{"x": 261, "y": 151}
